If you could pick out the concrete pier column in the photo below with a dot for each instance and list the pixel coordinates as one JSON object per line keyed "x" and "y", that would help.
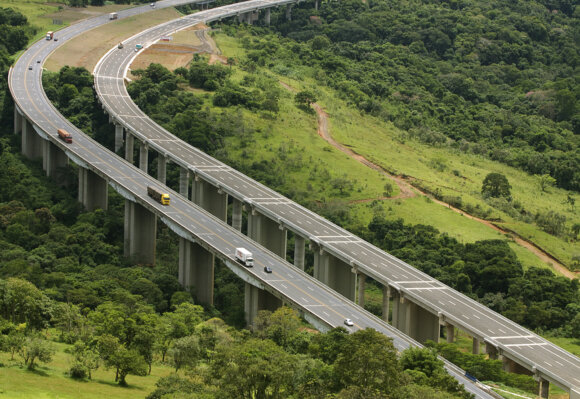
{"x": 476, "y": 346}
{"x": 237, "y": 214}
{"x": 450, "y": 330}
{"x": 196, "y": 271}
{"x": 118, "y": 136}
{"x": 491, "y": 351}
{"x": 249, "y": 18}
{"x": 543, "y": 388}
{"x": 143, "y": 157}
{"x": 361, "y": 289}
{"x": 31, "y": 142}
{"x": 140, "y": 233}
{"x": 299, "y": 249}
{"x": 17, "y": 120}
{"x": 161, "y": 168}
{"x": 241, "y": 18}
{"x": 256, "y": 299}
{"x": 210, "y": 198}
{"x": 267, "y": 17}
{"x": 415, "y": 321}
{"x": 510, "y": 366}
{"x": 52, "y": 159}
{"x": 335, "y": 273}
{"x": 129, "y": 146}
{"x": 184, "y": 182}
{"x": 93, "y": 190}
{"x": 267, "y": 232}
{"x": 386, "y": 298}
{"x": 289, "y": 12}
{"x": 316, "y": 4}
{"x": 396, "y": 302}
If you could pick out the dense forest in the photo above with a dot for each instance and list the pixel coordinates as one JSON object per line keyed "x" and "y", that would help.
{"x": 489, "y": 77}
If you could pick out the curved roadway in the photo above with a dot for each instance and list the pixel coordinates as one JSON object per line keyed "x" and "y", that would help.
{"x": 320, "y": 305}
{"x": 520, "y": 344}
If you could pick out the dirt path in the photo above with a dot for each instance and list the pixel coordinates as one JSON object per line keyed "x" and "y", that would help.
{"x": 407, "y": 191}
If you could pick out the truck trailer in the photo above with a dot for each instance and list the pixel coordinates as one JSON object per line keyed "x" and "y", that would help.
{"x": 245, "y": 257}
{"x": 49, "y": 35}
{"x": 64, "y": 135}
{"x": 113, "y": 15}
{"x": 158, "y": 195}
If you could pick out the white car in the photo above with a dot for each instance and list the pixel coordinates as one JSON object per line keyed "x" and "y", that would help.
{"x": 348, "y": 322}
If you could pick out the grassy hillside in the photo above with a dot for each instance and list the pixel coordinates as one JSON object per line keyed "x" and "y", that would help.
{"x": 50, "y": 380}
{"x": 443, "y": 170}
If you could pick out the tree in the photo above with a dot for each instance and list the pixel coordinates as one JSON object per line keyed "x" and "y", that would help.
{"x": 303, "y": 99}
{"x": 36, "y": 349}
{"x": 185, "y": 352}
{"x": 545, "y": 181}
{"x": 496, "y": 185}
{"x": 368, "y": 360}
{"x": 86, "y": 359}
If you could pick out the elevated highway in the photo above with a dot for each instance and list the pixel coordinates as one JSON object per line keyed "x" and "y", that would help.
{"x": 420, "y": 302}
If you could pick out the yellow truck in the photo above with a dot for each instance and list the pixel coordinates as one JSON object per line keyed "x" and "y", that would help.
{"x": 157, "y": 195}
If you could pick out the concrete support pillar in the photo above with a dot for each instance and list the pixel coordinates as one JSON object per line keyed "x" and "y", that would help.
{"x": 335, "y": 273}
{"x": 118, "y": 137}
{"x": 52, "y": 159}
{"x": 210, "y": 198}
{"x": 237, "y": 214}
{"x": 386, "y": 298}
{"x": 143, "y": 157}
{"x": 129, "y": 146}
{"x": 543, "y": 388}
{"x": 255, "y": 300}
{"x": 184, "y": 182}
{"x": 31, "y": 142}
{"x": 415, "y": 321}
{"x": 491, "y": 351}
{"x": 140, "y": 233}
{"x": 267, "y": 232}
{"x": 267, "y": 17}
{"x": 316, "y": 4}
{"x": 361, "y": 289}
{"x": 249, "y": 18}
{"x": 476, "y": 346}
{"x": 299, "y": 249}
{"x": 241, "y": 18}
{"x": 511, "y": 366}
{"x": 17, "y": 120}
{"x": 161, "y": 168}
{"x": 196, "y": 271}
{"x": 450, "y": 330}
{"x": 289, "y": 12}
{"x": 93, "y": 190}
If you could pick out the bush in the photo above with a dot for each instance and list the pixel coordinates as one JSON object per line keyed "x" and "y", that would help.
{"x": 78, "y": 371}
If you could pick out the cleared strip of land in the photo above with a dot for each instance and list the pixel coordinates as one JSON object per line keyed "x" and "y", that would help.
{"x": 85, "y": 50}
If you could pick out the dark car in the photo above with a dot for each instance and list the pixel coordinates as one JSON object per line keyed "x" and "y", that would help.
{"x": 56, "y": 39}
{"x": 30, "y": 67}
{"x": 38, "y": 61}
{"x": 267, "y": 269}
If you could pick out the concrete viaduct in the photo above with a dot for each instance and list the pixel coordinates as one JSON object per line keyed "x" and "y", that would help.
{"x": 418, "y": 304}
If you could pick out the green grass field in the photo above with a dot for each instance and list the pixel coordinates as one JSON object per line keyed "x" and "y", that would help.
{"x": 49, "y": 381}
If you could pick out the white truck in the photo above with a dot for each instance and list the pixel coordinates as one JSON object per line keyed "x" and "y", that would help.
{"x": 245, "y": 257}
{"x": 113, "y": 15}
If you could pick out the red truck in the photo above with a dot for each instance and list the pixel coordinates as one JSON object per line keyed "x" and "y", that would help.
{"x": 64, "y": 135}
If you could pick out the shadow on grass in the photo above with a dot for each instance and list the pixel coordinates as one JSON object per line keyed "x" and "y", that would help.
{"x": 38, "y": 371}
{"x": 116, "y": 385}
